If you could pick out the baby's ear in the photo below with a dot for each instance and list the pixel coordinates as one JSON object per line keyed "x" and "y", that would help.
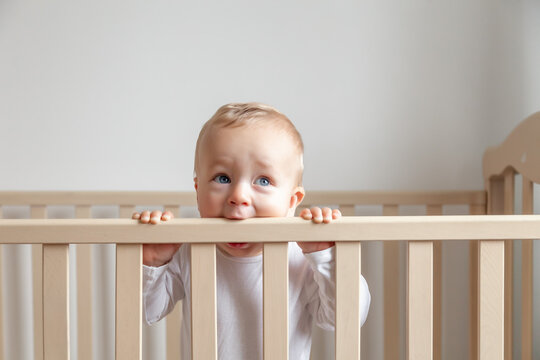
{"x": 297, "y": 197}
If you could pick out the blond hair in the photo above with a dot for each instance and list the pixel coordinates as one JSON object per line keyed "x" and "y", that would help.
{"x": 243, "y": 114}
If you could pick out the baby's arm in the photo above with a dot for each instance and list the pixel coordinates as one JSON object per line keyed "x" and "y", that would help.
{"x": 156, "y": 254}
{"x": 162, "y": 285}
{"x": 322, "y": 303}
{"x": 318, "y": 215}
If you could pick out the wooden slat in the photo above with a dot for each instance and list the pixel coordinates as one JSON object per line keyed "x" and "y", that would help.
{"x": 56, "y": 302}
{"x": 420, "y": 301}
{"x": 174, "y": 318}
{"x": 391, "y": 273}
{"x": 276, "y": 301}
{"x": 38, "y": 212}
{"x": 491, "y": 279}
{"x": 437, "y": 288}
{"x": 473, "y": 288}
{"x": 496, "y": 205}
{"x": 84, "y": 292}
{"x": 527, "y": 278}
{"x": 203, "y": 302}
{"x": 187, "y": 198}
{"x": 128, "y": 301}
{"x": 509, "y": 185}
{"x": 348, "y": 322}
{"x": 346, "y": 210}
{"x": 348, "y": 228}
{"x": 394, "y": 197}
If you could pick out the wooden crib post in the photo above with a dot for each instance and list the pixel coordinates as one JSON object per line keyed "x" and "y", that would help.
{"x": 474, "y": 209}
{"x": 84, "y": 292}
{"x": 420, "y": 301}
{"x": 509, "y": 186}
{"x": 276, "y": 301}
{"x": 501, "y": 201}
{"x": 348, "y": 271}
{"x": 391, "y": 274}
{"x": 527, "y": 277}
{"x": 174, "y": 318}
{"x": 203, "y": 302}
{"x": 128, "y": 301}
{"x": 38, "y": 212}
{"x": 55, "y": 302}
{"x": 437, "y": 287}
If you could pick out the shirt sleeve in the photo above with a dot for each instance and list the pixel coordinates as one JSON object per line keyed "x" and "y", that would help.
{"x": 323, "y": 303}
{"x": 162, "y": 288}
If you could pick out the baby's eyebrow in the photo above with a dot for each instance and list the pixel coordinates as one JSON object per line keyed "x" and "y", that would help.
{"x": 221, "y": 160}
{"x": 265, "y": 164}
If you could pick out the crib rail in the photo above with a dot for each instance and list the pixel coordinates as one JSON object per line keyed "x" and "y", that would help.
{"x": 390, "y": 201}
{"x": 350, "y": 228}
{"x": 421, "y": 232}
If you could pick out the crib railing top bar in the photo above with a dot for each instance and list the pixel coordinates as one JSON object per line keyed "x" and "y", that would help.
{"x": 186, "y": 198}
{"x": 476, "y": 197}
{"x": 351, "y": 228}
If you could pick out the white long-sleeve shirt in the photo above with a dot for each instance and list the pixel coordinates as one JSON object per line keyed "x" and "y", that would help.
{"x": 239, "y": 300}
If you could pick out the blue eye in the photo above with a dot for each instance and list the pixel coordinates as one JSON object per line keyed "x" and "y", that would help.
{"x": 262, "y": 181}
{"x": 222, "y": 179}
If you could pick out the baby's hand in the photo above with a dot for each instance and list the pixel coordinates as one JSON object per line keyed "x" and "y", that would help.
{"x": 318, "y": 216}
{"x": 156, "y": 254}
{"x": 153, "y": 218}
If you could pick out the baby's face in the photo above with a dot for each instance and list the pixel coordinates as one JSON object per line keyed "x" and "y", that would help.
{"x": 244, "y": 172}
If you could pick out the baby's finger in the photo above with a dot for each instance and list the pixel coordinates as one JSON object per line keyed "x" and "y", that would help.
{"x": 145, "y": 217}
{"x": 336, "y": 214}
{"x": 327, "y": 215}
{"x": 167, "y": 215}
{"x": 306, "y": 214}
{"x": 316, "y": 212}
{"x": 136, "y": 216}
{"x": 155, "y": 217}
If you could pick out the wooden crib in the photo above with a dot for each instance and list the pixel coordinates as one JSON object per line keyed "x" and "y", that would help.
{"x": 491, "y": 238}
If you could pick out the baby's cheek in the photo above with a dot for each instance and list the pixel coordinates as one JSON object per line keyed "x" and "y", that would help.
{"x": 209, "y": 206}
{"x": 273, "y": 206}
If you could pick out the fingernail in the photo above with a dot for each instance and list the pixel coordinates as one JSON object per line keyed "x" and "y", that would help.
{"x": 166, "y": 217}
{"x": 145, "y": 218}
{"x": 318, "y": 218}
{"x": 155, "y": 219}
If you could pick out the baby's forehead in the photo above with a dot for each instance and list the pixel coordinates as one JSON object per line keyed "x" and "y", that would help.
{"x": 258, "y": 130}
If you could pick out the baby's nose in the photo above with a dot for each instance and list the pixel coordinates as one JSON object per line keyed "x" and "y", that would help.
{"x": 239, "y": 195}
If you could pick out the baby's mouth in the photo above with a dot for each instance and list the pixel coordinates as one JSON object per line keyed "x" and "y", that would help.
{"x": 237, "y": 245}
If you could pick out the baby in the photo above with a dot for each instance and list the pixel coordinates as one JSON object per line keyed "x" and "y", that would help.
{"x": 248, "y": 163}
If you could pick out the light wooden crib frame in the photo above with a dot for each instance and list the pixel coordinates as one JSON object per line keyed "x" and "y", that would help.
{"x": 491, "y": 242}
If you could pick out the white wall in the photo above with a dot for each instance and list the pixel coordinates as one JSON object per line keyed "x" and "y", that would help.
{"x": 387, "y": 94}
